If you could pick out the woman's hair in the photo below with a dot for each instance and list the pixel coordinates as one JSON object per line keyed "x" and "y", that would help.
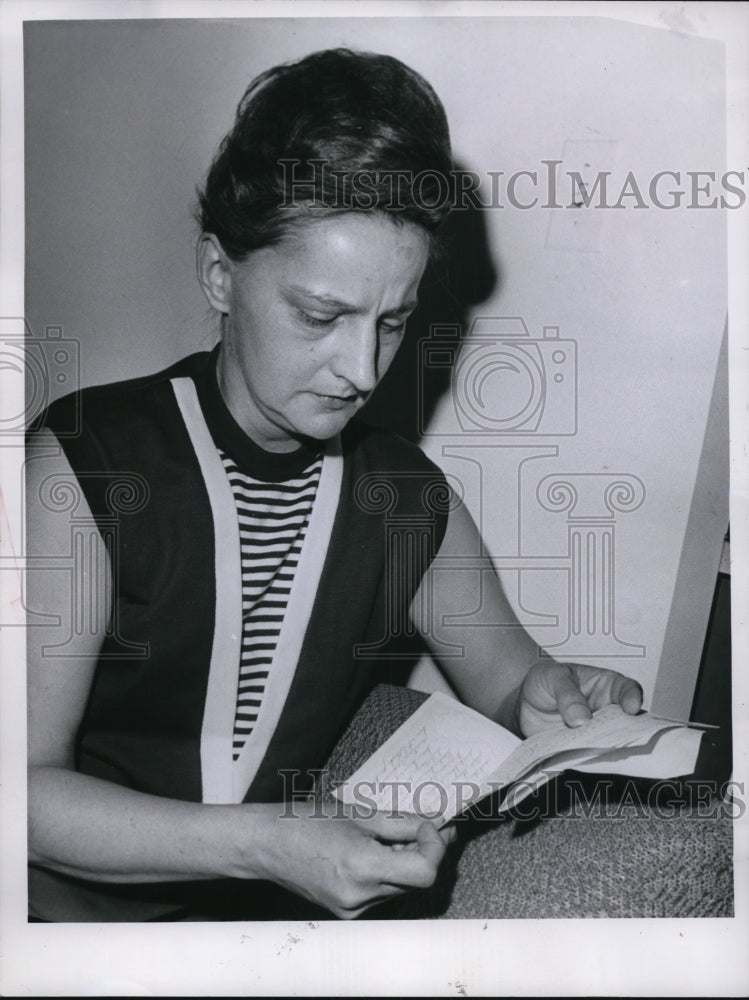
{"x": 337, "y": 131}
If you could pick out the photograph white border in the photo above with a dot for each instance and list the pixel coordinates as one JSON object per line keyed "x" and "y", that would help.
{"x": 442, "y": 957}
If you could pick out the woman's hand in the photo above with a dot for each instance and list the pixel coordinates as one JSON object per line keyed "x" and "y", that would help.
{"x": 496, "y": 670}
{"x": 348, "y": 865}
{"x": 570, "y": 692}
{"x": 93, "y": 829}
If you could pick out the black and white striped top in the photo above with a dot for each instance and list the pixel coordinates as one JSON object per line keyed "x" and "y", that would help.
{"x": 273, "y": 518}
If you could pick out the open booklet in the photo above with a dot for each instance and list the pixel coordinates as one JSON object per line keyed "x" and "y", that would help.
{"x": 446, "y": 757}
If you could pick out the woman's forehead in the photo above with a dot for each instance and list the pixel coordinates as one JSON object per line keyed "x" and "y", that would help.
{"x": 338, "y": 256}
{"x": 358, "y": 231}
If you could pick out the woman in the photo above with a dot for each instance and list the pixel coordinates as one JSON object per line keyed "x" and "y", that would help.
{"x": 248, "y": 571}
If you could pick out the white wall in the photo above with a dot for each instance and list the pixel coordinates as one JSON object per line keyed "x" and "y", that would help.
{"x": 122, "y": 119}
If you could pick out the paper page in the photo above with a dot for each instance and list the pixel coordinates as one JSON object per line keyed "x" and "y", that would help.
{"x": 673, "y": 754}
{"x": 444, "y": 758}
{"x": 536, "y": 778}
{"x": 656, "y": 749}
{"x": 610, "y": 728}
{"x": 435, "y": 764}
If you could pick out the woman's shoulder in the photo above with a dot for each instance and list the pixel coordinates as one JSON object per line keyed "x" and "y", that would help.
{"x": 114, "y": 402}
{"x": 391, "y": 476}
{"x": 386, "y": 450}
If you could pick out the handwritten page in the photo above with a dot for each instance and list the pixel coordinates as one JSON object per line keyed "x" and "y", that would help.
{"x": 610, "y": 728}
{"x": 445, "y": 757}
{"x": 640, "y": 746}
{"x": 435, "y": 765}
{"x": 674, "y": 754}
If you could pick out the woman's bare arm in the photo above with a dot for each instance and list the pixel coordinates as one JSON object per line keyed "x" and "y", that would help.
{"x": 95, "y": 829}
{"x": 500, "y": 671}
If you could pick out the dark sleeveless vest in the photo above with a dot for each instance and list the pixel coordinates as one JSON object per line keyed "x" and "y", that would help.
{"x": 137, "y": 466}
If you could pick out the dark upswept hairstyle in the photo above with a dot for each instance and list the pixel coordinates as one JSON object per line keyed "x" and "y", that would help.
{"x": 336, "y": 131}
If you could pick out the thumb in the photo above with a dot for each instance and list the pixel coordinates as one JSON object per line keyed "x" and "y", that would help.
{"x": 627, "y": 693}
{"x": 397, "y": 827}
{"x": 430, "y": 843}
{"x": 572, "y": 704}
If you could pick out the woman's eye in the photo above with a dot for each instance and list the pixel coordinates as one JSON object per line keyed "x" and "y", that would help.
{"x": 391, "y": 330}
{"x": 322, "y": 322}
{"x": 317, "y": 321}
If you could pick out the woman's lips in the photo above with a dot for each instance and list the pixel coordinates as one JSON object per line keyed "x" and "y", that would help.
{"x": 336, "y": 402}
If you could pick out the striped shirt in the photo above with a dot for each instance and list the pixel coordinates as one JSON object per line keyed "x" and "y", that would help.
{"x": 273, "y": 518}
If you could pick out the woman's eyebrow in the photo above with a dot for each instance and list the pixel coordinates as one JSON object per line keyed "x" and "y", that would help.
{"x": 404, "y": 310}
{"x": 340, "y": 304}
{"x": 321, "y": 297}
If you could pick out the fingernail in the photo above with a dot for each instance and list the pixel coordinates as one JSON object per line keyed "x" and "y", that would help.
{"x": 577, "y": 716}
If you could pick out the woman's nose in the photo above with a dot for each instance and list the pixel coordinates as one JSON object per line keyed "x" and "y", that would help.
{"x": 357, "y": 359}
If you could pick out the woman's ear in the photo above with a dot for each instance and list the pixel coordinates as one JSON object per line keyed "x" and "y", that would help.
{"x": 214, "y": 272}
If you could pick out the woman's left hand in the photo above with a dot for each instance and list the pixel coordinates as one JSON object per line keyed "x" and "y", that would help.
{"x": 570, "y": 692}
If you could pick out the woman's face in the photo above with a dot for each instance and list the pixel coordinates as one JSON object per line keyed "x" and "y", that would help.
{"x": 313, "y": 322}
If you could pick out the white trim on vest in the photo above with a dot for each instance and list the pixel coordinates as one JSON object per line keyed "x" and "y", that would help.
{"x": 223, "y": 779}
{"x": 221, "y": 693}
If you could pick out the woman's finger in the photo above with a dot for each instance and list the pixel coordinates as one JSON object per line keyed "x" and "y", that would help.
{"x": 627, "y": 693}
{"x": 572, "y": 704}
{"x": 416, "y": 869}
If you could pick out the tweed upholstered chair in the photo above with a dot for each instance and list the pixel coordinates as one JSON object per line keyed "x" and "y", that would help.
{"x": 623, "y": 857}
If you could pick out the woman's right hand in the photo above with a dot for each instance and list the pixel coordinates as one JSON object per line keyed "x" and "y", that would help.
{"x": 93, "y": 829}
{"x": 348, "y": 865}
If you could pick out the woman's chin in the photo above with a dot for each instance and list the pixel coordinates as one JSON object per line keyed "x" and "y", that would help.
{"x": 324, "y": 429}
{"x": 325, "y": 424}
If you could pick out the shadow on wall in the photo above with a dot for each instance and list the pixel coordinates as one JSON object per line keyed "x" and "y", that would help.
{"x": 460, "y": 277}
